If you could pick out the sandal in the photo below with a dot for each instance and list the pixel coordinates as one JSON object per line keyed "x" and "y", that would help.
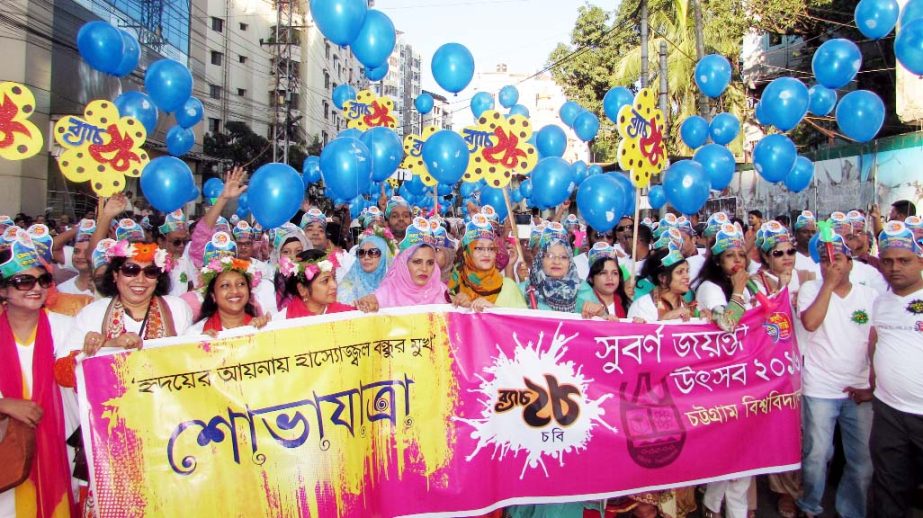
{"x": 787, "y": 507}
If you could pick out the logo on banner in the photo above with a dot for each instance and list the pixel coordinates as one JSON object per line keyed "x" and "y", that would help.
{"x": 534, "y": 404}
{"x": 778, "y": 326}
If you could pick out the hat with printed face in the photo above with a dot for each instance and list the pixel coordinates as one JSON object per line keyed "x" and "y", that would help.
{"x": 313, "y": 215}
{"x": 128, "y": 229}
{"x": 672, "y": 237}
{"x": 857, "y": 220}
{"x": 243, "y": 231}
{"x": 715, "y": 222}
{"x": 667, "y": 222}
{"x": 478, "y": 228}
{"x": 440, "y": 235}
{"x": 834, "y": 240}
{"x": 895, "y": 234}
{"x": 728, "y": 237}
{"x": 41, "y": 241}
{"x": 915, "y": 224}
{"x": 554, "y": 231}
{"x": 99, "y": 257}
{"x": 222, "y": 225}
{"x": 600, "y": 250}
{"x": 220, "y": 245}
{"x": 571, "y": 221}
{"x": 172, "y": 222}
{"x": 417, "y": 233}
{"x": 535, "y": 235}
{"x": 804, "y": 219}
{"x": 85, "y": 230}
{"x": 370, "y": 216}
{"x": 395, "y": 201}
{"x": 684, "y": 224}
{"x": 840, "y": 224}
{"x": 490, "y": 212}
{"x": 6, "y": 222}
{"x": 22, "y": 254}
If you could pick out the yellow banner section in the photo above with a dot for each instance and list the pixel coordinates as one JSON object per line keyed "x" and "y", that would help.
{"x": 272, "y": 417}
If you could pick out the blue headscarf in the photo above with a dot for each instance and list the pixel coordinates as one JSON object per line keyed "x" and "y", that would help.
{"x": 558, "y": 294}
{"x": 358, "y": 283}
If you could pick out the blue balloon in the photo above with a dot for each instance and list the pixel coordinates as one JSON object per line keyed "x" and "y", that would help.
{"x": 242, "y": 212}
{"x": 761, "y": 115}
{"x": 140, "y": 106}
{"x": 913, "y": 10}
{"x": 446, "y": 156}
{"x": 525, "y": 188}
{"x": 694, "y": 131}
{"x": 656, "y": 197}
{"x": 244, "y": 201}
{"x": 387, "y": 151}
{"x": 595, "y": 169}
{"x": 194, "y": 194}
{"x": 377, "y": 73}
{"x": 601, "y": 201}
{"x": 774, "y": 156}
{"x": 180, "y": 140}
{"x": 355, "y": 206}
{"x": 876, "y": 18}
{"x": 190, "y": 114}
{"x": 310, "y": 170}
{"x": 481, "y": 102}
{"x": 614, "y": 99}
{"x": 519, "y": 110}
{"x": 515, "y": 196}
{"x": 277, "y": 191}
{"x": 836, "y": 62}
{"x": 718, "y": 162}
{"x": 375, "y": 41}
{"x": 415, "y": 185}
{"x": 350, "y": 133}
{"x": 569, "y": 111}
{"x": 860, "y": 114}
{"x": 453, "y": 67}
{"x": 586, "y": 126}
{"x": 713, "y": 74}
{"x": 509, "y": 96}
{"x": 131, "y": 54}
{"x": 444, "y": 189}
{"x": 822, "y": 101}
{"x": 581, "y": 172}
{"x": 169, "y": 84}
{"x": 724, "y": 128}
{"x": 551, "y": 141}
{"x": 628, "y": 188}
{"x": 468, "y": 189}
{"x": 101, "y": 46}
{"x": 786, "y": 100}
{"x": 552, "y": 182}
{"x": 799, "y": 178}
{"x": 339, "y": 20}
{"x": 908, "y": 46}
{"x": 166, "y": 183}
{"x": 213, "y": 187}
{"x": 423, "y": 103}
{"x": 686, "y": 185}
{"x": 494, "y": 198}
{"x": 346, "y": 164}
{"x": 343, "y": 93}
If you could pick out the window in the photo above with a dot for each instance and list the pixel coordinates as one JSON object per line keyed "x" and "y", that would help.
{"x": 324, "y": 137}
{"x": 243, "y": 26}
{"x": 217, "y": 24}
{"x": 326, "y": 79}
{"x": 326, "y": 110}
{"x": 214, "y": 125}
{"x": 326, "y": 49}
{"x": 242, "y": 92}
{"x": 242, "y": 59}
{"x": 217, "y": 58}
{"x": 214, "y": 91}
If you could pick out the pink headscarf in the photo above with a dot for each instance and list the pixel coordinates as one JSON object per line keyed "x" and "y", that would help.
{"x": 398, "y": 289}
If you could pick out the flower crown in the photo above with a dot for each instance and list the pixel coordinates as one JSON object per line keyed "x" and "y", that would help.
{"x": 384, "y": 233}
{"x": 141, "y": 252}
{"x": 219, "y": 265}
{"x": 307, "y": 270}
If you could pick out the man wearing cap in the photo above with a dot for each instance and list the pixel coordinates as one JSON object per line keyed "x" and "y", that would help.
{"x": 314, "y": 224}
{"x": 858, "y": 240}
{"x": 835, "y": 380}
{"x": 82, "y": 284}
{"x": 173, "y": 236}
{"x": 861, "y": 272}
{"x": 398, "y": 214}
{"x": 805, "y": 227}
{"x": 897, "y": 427}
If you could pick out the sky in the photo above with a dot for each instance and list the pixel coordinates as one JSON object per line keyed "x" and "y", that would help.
{"x": 520, "y": 33}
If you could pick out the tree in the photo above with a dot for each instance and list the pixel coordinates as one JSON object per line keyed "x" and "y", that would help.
{"x": 238, "y": 144}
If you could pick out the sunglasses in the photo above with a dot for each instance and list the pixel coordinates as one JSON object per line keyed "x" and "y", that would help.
{"x": 623, "y": 228}
{"x": 371, "y": 252}
{"x": 779, "y": 253}
{"x": 131, "y": 270}
{"x": 179, "y": 242}
{"x": 27, "y": 282}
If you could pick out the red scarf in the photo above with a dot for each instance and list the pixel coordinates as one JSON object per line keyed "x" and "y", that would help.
{"x": 616, "y": 304}
{"x": 214, "y": 322}
{"x": 50, "y": 468}
{"x": 296, "y": 308}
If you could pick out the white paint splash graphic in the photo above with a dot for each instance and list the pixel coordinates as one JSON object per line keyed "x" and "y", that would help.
{"x": 508, "y": 432}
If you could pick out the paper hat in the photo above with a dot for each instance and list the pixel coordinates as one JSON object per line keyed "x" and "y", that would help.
{"x": 243, "y": 231}
{"x": 535, "y": 235}
{"x": 571, "y": 221}
{"x": 222, "y": 225}
{"x": 836, "y": 241}
{"x": 99, "y": 257}
{"x": 41, "y": 241}
{"x": 490, "y": 212}
{"x": 22, "y": 254}
{"x": 771, "y": 234}
{"x": 417, "y": 233}
{"x": 600, "y": 250}
{"x": 395, "y": 201}
{"x": 172, "y": 222}
{"x": 683, "y": 224}
{"x": 220, "y": 245}
{"x": 6, "y": 222}
{"x": 554, "y": 231}
{"x": 840, "y": 224}
{"x": 715, "y": 222}
{"x": 727, "y": 238}
{"x": 672, "y": 258}
{"x": 313, "y": 215}
{"x": 857, "y": 220}
{"x": 895, "y": 234}
{"x": 440, "y": 236}
{"x": 804, "y": 219}
{"x": 672, "y": 238}
{"x": 128, "y": 229}
{"x": 85, "y": 230}
{"x": 478, "y": 228}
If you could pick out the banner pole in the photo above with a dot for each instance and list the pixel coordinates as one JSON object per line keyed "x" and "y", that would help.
{"x": 510, "y": 219}
{"x": 634, "y": 237}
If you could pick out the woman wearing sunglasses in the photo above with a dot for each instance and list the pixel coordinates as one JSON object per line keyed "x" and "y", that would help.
{"x": 373, "y": 257}
{"x": 29, "y": 338}
{"x": 478, "y": 283}
{"x": 135, "y": 306}
{"x": 777, "y": 251}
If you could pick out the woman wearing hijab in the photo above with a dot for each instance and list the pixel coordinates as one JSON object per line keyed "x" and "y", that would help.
{"x": 287, "y": 241}
{"x": 553, "y": 279}
{"x": 445, "y": 249}
{"x": 414, "y": 278}
{"x": 373, "y": 257}
{"x": 477, "y": 283}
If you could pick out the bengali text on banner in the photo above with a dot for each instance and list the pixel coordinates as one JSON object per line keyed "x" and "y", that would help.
{"x": 437, "y": 412}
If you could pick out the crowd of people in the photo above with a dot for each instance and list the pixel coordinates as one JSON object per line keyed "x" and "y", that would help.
{"x": 117, "y": 281}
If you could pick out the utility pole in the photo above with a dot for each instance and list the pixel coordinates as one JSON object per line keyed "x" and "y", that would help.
{"x": 282, "y": 48}
{"x": 644, "y": 41}
{"x": 664, "y": 88}
{"x": 700, "y": 53}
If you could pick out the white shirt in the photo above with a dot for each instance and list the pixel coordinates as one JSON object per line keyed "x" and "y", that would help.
{"x": 836, "y": 354}
{"x": 346, "y": 261}
{"x": 899, "y": 352}
{"x": 91, "y": 317}
{"x": 70, "y": 286}
{"x": 867, "y": 275}
{"x": 182, "y": 274}
{"x": 710, "y": 296}
{"x": 644, "y": 308}
{"x": 696, "y": 263}
{"x": 582, "y": 263}
{"x": 804, "y": 262}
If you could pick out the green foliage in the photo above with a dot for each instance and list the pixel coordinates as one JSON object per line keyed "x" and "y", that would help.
{"x": 240, "y": 145}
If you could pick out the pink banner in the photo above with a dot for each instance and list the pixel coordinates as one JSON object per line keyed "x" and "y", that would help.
{"x": 451, "y": 414}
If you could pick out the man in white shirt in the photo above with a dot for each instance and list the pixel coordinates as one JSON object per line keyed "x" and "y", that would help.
{"x": 805, "y": 227}
{"x": 897, "y": 428}
{"x": 835, "y": 381}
